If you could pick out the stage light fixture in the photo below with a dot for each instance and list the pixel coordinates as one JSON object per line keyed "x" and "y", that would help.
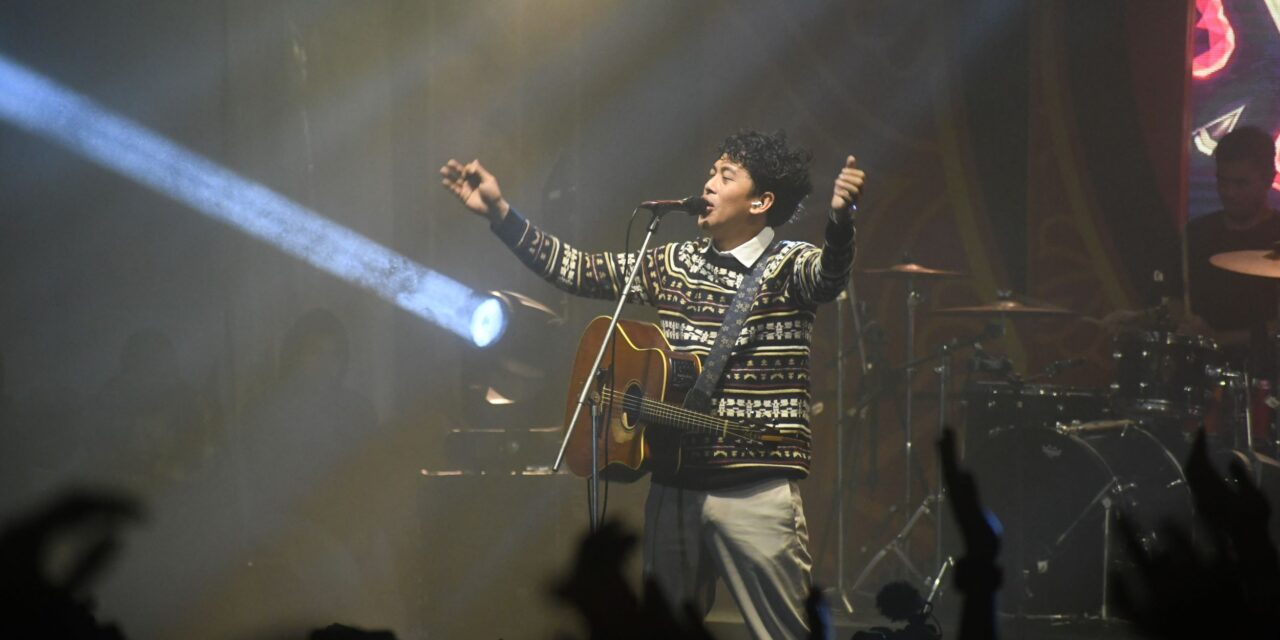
{"x": 42, "y": 107}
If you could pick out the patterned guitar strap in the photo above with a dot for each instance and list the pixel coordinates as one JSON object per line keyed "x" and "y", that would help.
{"x": 699, "y": 398}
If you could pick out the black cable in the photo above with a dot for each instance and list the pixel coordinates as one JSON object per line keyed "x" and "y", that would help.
{"x": 937, "y": 623}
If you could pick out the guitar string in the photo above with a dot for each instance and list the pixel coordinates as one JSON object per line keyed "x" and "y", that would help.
{"x": 713, "y": 425}
{"x": 664, "y": 410}
{"x": 691, "y": 418}
{"x": 708, "y": 424}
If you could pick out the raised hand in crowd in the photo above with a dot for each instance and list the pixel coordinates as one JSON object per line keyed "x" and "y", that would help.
{"x": 978, "y": 576}
{"x": 1222, "y": 580}
{"x": 36, "y": 602}
{"x": 597, "y": 588}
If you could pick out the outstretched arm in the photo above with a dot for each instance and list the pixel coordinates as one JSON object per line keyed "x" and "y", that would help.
{"x": 592, "y": 275}
{"x": 820, "y": 275}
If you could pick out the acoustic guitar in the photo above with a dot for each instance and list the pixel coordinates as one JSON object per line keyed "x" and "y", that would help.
{"x": 638, "y": 393}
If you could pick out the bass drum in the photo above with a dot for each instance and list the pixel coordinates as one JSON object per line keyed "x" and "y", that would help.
{"x": 1052, "y": 490}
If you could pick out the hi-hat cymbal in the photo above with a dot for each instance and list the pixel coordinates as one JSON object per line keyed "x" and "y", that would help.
{"x": 911, "y": 270}
{"x": 1265, "y": 263}
{"x": 1007, "y": 308}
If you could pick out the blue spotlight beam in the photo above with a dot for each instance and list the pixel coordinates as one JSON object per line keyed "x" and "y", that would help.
{"x": 46, "y": 109}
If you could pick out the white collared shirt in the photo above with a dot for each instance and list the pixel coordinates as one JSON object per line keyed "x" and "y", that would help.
{"x": 748, "y": 252}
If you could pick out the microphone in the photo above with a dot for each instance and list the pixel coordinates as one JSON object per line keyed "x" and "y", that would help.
{"x": 693, "y": 205}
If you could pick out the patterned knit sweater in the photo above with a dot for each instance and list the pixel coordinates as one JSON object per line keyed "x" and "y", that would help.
{"x": 766, "y": 378}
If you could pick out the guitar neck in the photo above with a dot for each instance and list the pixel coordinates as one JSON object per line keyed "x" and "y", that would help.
{"x": 669, "y": 415}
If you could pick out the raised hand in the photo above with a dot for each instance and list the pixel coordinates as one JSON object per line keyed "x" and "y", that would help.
{"x": 1221, "y": 581}
{"x": 848, "y": 186}
{"x": 475, "y": 188}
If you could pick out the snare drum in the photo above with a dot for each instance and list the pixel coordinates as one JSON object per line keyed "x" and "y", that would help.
{"x": 1165, "y": 373}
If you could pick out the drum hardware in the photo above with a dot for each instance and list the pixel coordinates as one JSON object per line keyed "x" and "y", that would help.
{"x": 861, "y": 329}
{"x": 1096, "y": 425}
{"x": 1248, "y": 415}
{"x": 983, "y": 362}
{"x": 876, "y": 380}
{"x": 851, "y": 297}
{"x": 895, "y": 546}
{"x": 1056, "y": 368}
{"x": 913, "y": 300}
{"x": 1240, "y": 402}
{"x": 1006, "y": 308}
{"x": 912, "y": 274}
{"x": 947, "y": 565}
{"x": 1104, "y": 497}
{"x": 1107, "y": 439}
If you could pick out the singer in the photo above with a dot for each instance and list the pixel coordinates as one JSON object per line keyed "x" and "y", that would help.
{"x": 727, "y": 509}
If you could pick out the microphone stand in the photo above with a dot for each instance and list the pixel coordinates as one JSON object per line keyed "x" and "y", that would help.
{"x": 593, "y": 484}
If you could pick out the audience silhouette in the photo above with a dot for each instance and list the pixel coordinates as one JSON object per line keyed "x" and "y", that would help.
{"x": 1221, "y": 579}
{"x": 1218, "y": 579}
{"x": 977, "y": 575}
{"x": 35, "y": 602}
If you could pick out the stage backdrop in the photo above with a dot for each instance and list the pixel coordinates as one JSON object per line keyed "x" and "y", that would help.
{"x": 1037, "y": 147}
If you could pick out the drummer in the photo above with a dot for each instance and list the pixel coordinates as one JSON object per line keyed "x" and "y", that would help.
{"x": 1238, "y": 311}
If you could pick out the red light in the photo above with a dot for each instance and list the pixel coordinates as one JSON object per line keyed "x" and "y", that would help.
{"x": 1275, "y": 184}
{"x": 1222, "y": 39}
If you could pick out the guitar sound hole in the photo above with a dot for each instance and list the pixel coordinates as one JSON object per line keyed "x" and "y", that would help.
{"x": 631, "y": 404}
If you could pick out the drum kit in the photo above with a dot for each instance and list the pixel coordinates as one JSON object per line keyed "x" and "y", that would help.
{"x": 1057, "y": 464}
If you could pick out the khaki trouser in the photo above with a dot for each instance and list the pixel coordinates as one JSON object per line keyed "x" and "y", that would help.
{"x": 753, "y": 537}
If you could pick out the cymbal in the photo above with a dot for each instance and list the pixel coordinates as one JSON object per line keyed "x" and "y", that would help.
{"x": 910, "y": 270}
{"x": 1265, "y": 263}
{"x": 1007, "y": 308}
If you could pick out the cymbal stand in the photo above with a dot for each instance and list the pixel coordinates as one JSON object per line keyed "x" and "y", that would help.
{"x": 840, "y": 427}
{"x": 1246, "y": 397}
{"x": 897, "y": 545}
{"x": 992, "y": 330}
{"x": 841, "y": 415}
{"x": 934, "y": 590}
{"x": 913, "y": 300}
{"x": 944, "y": 378}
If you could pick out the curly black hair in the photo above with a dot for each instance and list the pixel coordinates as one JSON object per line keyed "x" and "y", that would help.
{"x": 1248, "y": 144}
{"x": 774, "y": 167}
